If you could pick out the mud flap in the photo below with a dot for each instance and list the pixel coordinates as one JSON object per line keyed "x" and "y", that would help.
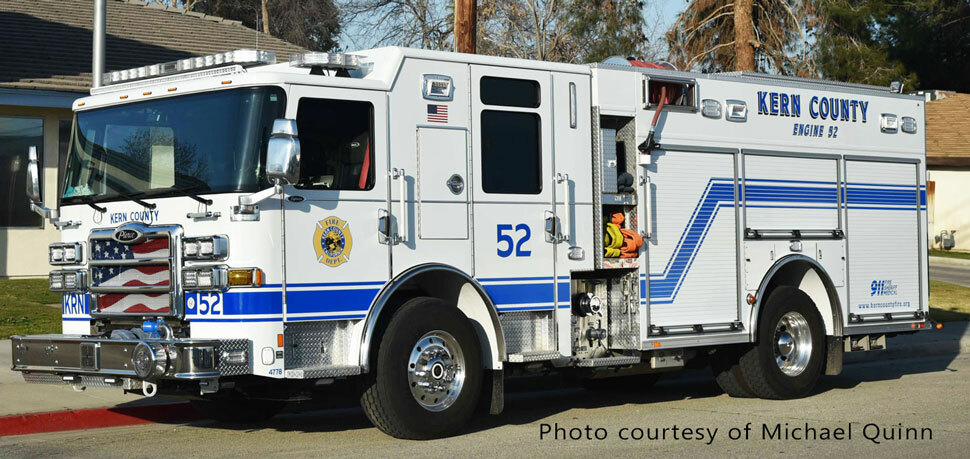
{"x": 496, "y": 397}
{"x": 833, "y": 359}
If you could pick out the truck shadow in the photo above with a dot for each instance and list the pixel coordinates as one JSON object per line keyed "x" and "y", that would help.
{"x": 532, "y": 400}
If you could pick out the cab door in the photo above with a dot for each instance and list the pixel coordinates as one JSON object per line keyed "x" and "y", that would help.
{"x": 513, "y": 196}
{"x": 334, "y": 262}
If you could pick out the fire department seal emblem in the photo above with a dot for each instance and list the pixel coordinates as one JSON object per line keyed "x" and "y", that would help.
{"x": 332, "y": 241}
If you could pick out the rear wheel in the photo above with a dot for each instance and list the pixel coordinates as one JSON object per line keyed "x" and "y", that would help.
{"x": 428, "y": 375}
{"x": 788, "y": 358}
{"x": 727, "y": 372}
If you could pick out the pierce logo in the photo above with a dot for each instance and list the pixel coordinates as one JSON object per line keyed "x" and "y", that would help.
{"x": 882, "y": 288}
{"x": 127, "y": 235}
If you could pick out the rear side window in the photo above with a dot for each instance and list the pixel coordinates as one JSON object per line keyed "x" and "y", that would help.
{"x": 509, "y": 92}
{"x": 511, "y": 149}
{"x": 336, "y": 144}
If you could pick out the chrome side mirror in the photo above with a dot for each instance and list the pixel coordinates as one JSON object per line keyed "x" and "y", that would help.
{"x": 283, "y": 154}
{"x": 33, "y": 176}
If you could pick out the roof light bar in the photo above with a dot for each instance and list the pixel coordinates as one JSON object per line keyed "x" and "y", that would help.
{"x": 326, "y": 60}
{"x": 243, "y": 57}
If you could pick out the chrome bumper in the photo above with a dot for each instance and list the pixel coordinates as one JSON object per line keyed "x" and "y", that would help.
{"x": 46, "y": 358}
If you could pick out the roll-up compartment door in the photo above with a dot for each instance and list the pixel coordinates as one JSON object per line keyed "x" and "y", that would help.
{"x": 791, "y": 193}
{"x": 882, "y": 228}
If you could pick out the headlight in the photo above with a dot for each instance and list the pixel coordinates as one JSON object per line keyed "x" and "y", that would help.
{"x": 67, "y": 281}
{"x": 61, "y": 253}
{"x": 208, "y": 278}
{"x": 205, "y": 248}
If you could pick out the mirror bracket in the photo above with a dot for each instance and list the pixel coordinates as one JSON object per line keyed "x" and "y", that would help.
{"x": 248, "y": 207}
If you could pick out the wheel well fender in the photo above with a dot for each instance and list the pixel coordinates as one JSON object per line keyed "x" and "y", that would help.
{"x": 807, "y": 275}
{"x": 448, "y": 284}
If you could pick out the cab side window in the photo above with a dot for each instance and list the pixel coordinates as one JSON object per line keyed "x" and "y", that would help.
{"x": 511, "y": 139}
{"x": 336, "y": 144}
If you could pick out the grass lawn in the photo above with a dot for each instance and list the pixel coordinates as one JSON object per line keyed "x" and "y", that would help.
{"x": 950, "y": 254}
{"x": 24, "y": 310}
{"x": 949, "y": 302}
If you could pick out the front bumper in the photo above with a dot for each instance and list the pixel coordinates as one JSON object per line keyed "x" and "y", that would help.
{"x": 69, "y": 358}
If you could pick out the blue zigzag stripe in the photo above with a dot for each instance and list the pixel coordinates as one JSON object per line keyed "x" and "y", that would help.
{"x": 720, "y": 192}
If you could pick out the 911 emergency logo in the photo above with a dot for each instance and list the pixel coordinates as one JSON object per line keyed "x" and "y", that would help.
{"x": 332, "y": 241}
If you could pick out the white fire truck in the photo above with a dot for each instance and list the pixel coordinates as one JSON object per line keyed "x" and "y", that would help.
{"x": 243, "y": 232}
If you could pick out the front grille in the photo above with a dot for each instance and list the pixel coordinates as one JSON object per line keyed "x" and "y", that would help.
{"x": 133, "y": 278}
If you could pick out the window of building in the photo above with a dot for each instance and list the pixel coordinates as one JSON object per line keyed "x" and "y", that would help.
{"x": 336, "y": 144}
{"x": 16, "y": 136}
{"x": 511, "y": 152}
{"x": 509, "y": 92}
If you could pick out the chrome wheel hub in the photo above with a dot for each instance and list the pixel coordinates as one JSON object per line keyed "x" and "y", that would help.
{"x": 792, "y": 344}
{"x": 436, "y": 370}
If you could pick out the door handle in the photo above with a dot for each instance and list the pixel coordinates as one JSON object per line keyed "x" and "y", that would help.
{"x": 563, "y": 179}
{"x": 647, "y": 199}
{"x": 403, "y": 229}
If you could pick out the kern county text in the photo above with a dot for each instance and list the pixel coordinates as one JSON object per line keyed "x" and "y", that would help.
{"x": 803, "y": 431}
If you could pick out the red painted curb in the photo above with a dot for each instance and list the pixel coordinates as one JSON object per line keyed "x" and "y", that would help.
{"x": 31, "y": 423}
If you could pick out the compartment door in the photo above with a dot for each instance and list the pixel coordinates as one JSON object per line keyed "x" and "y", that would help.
{"x": 882, "y": 227}
{"x": 693, "y": 248}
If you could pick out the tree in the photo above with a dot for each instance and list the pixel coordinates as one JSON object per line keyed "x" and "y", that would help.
{"x": 748, "y": 35}
{"x": 426, "y": 24}
{"x": 604, "y": 28}
{"x": 931, "y": 38}
{"x": 850, "y": 45}
{"x": 312, "y": 24}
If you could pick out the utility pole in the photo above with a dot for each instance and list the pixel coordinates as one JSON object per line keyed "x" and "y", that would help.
{"x": 465, "y": 25}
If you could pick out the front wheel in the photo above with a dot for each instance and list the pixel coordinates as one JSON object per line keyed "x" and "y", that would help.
{"x": 788, "y": 358}
{"x": 428, "y": 374}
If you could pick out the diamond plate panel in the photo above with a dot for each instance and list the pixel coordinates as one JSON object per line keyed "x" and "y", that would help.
{"x": 42, "y": 378}
{"x": 318, "y": 344}
{"x": 608, "y": 137}
{"x": 230, "y": 345}
{"x": 597, "y": 196}
{"x": 528, "y": 331}
{"x": 623, "y": 300}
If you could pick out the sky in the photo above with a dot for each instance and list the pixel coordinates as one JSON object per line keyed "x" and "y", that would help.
{"x": 660, "y": 15}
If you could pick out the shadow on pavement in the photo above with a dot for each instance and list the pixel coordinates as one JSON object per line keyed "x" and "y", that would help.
{"x": 529, "y": 400}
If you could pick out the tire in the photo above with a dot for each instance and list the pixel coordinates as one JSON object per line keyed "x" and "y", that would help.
{"x": 727, "y": 372}
{"x": 765, "y": 368}
{"x": 236, "y": 409}
{"x": 627, "y": 384}
{"x": 432, "y": 336}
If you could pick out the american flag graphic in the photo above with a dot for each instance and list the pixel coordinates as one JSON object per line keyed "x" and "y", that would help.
{"x": 437, "y": 113}
{"x": 107, "y": 249}
{"x": 131, "y": 276}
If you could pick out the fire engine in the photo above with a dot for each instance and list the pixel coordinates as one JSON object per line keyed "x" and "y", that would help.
{"x": 243, "y": 233}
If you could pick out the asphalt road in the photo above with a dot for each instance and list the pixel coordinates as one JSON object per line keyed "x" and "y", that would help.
{"x": 929, "y": 395}
{"x": 954, "y": 274}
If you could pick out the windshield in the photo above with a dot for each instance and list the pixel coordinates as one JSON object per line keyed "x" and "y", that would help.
{"x": 202, "y": 143}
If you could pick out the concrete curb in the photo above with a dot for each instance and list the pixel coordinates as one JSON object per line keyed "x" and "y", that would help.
{"x": 949, "y": 261}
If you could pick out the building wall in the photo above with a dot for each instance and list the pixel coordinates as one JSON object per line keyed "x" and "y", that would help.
{"x": 23, "y": 251}
{"x": 949, "y": 206}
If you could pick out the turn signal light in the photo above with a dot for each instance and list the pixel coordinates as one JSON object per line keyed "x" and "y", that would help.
{"x": 245, "y": 277}
{"x": 939, "y": 326}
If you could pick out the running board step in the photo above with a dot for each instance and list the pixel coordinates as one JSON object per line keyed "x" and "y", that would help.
{"x": 608, "y": 361}
{"x": 322, "y": 372}
{"x": 534, "y": 356}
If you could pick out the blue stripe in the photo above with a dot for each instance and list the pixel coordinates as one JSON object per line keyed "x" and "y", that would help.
{"x": 330, "y": 300}
{"x": 508, "y": 279}
{"x": 520, "y": 293}
{"x": 76, "y": 319}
